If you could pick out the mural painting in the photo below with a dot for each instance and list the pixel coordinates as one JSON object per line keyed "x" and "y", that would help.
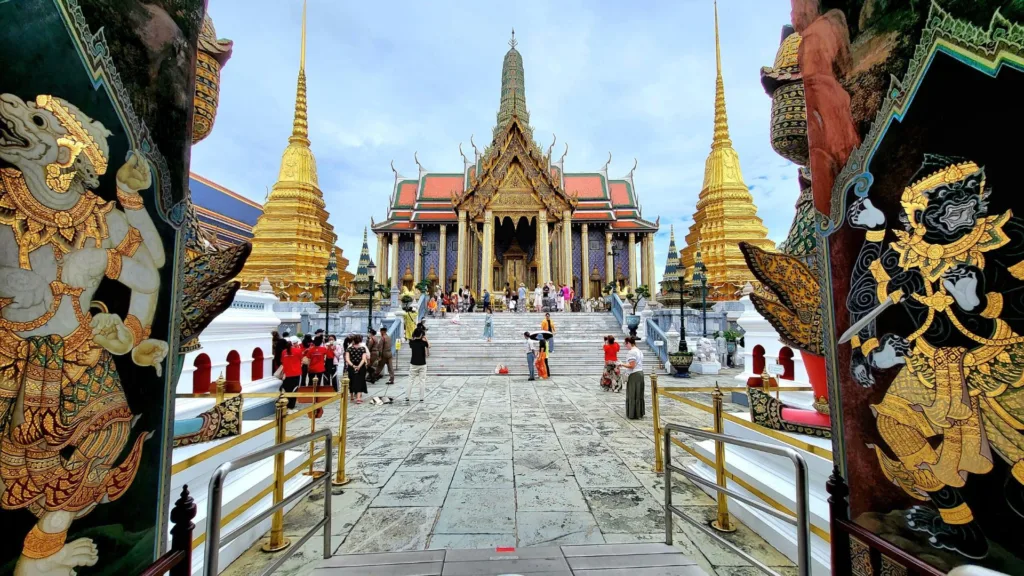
{"x": 925, "y": 246}
{"x": 95, "y": 111}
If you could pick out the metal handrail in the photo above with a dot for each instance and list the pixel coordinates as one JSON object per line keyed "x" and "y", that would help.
{"x": 617, "y": 309}
{"x": 395, "y": 331}
{"x": 214, "y": 540}
{"x": 421, "y": 308}
{"x": 801, "y": 519}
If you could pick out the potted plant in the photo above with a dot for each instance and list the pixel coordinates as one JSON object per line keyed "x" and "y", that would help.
{"x": 681, "y": 360}
{"x": 634, "y": 298}
{"x": 731, "y": 336}
{"x": 608, "y": 289}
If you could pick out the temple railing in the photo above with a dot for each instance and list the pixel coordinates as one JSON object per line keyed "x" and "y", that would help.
{"x": 421, "y": 309}
{"x": 719, "y": 417}
{"x": 314, "y": 403}
{"x": 617, "y": 310}
{"x": 395, "y": 332}
{"x": 657, "y": 340}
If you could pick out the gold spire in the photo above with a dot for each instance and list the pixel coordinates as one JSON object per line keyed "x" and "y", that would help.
{"x": 292, "y": 240}
{"x": 721, "y": 137}
{"x": 726, "y": 214}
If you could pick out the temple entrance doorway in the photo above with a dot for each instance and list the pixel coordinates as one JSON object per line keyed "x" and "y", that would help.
{"x": 515, "y": 259}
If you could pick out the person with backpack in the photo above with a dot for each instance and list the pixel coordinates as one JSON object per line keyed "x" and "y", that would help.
{"x": 420, "y": 348}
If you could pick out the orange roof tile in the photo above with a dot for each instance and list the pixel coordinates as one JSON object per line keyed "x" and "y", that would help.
{"x": 406, "y": 194}
{"x": 434, "y": 216}
{"x": 587, "y": 186}
{"x": 620, "y": 194}
{"x": 441, "y": 186}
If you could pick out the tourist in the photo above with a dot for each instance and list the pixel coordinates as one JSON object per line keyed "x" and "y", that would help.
{"x": 611, "y": 379}
{"x": 317, "y": 354}
{"x": 513, "y": 303}
{"x": 330, "y": 364}
{"x": 432, "y": 306}
{"x": 522, "y": 298}
{"x": 385, "y": 359}
{"x": 634, "y": 369}
{"x": 531, "y": 354}
{"x": 487, "y": 300}
{"x": 455, "y": 301}
{"x": 488, "y": 324}
{"x": 549, "y": 325}
{"x": 445, "y": 302}
{"x": 420, "y": 348}
{"x": 307, "y": 341}
{"x": 275, "y": 340}
{"x": 356, "y": 359}
{"x": 291, "y": 362}
{"x": 560, "y": 298}
{"x": 373, "y": 345}
{"x": 472, "y": 303}
{"x": 542, "y": 359}
{"x": 538, "y": 299}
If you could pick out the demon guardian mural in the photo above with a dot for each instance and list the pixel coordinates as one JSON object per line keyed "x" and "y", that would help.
{"x": 89, "y": 216}
{"x": 929, "y": 237}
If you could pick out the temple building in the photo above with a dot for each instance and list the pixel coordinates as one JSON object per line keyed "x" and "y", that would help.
{"x": 726, "y": 214}
{"x": 481, "y": 226}
{"x": 292, "y": 239}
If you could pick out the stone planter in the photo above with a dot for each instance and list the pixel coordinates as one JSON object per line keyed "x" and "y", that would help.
{"x": 632, "y": 323}
{"x": 681, "y": 362}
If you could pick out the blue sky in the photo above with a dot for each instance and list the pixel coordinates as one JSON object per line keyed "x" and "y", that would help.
{"x": 387, "y": 79}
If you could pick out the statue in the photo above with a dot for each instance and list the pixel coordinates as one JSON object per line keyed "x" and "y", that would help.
{"x": 706, "y": 350}
{"x": 65, "y": 419}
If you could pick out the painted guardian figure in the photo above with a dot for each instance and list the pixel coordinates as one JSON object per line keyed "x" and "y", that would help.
{"x": 64, "y": 419}
{"x": 939, "y": 296}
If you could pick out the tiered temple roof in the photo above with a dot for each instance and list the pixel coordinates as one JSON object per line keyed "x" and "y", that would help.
{"x": 726, "y": 214}
{"x": 428, "y": 197}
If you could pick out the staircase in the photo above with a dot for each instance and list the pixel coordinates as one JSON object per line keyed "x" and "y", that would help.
{"x": 461, "y": 349}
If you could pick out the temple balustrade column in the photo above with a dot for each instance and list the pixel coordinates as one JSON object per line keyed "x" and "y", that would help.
{"x": 442, "y": 258}
{"x": 545, "y": 253}
{"x": 395, "y": 279}
{"x": 584, "y": 262}
{"x": 631, "y": 245}
{"x": 645, "y": 263}
{"x": 567, "y": 247}
{"x": 609, "y": 258}
{"x": 487, "y": 264}
{"x": 417, "y": 257}
{"x": 460, "y": 260}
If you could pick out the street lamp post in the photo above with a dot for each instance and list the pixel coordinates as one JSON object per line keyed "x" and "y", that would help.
{"x": 684, "y": 294}
{"x": 371, "y": 272}
{"x": 700, "y": 276}
{"x": 330, "y": 280}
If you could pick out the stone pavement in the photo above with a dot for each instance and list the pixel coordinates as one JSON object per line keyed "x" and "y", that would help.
{"x": 490, "y": 461}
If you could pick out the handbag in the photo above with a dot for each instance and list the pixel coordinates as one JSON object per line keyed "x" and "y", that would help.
{"x": 305, "y": 361}
{"x": 279, "y": 373}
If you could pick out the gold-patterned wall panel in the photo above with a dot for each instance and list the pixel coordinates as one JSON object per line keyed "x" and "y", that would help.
{"x": 860, "y": 558}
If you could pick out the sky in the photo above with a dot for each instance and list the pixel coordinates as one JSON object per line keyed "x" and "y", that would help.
{"x": 387, "y": 79}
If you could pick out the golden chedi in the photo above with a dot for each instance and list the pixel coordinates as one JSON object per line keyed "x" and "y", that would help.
{"x": 726, "y": 214}
{"x": 292, "y": 240}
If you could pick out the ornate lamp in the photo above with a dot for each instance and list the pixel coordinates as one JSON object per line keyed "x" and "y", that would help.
{"x": 371, "y": 274}
{"x": 330, "y": 281}
{"x": 700, "y": 276}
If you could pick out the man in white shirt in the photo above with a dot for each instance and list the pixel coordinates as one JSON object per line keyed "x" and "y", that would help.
{"x": 531, "y": 354}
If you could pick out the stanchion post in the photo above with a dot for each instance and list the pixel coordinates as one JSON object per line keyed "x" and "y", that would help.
{"x": 339, "y": 477}
{"x": 221, "y": 387}
{"x": 312, "y": 428}
{"x": 659, "y": 461}
{"x": 277, "y": 540}
{"x": 722, "y": 523}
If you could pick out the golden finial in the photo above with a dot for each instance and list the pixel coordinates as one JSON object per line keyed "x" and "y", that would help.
{"x": 302, "y": 53}
{"x": 512, "y": 43}
{"x": 721, "y": 135}
{"x": 300, "y": 125}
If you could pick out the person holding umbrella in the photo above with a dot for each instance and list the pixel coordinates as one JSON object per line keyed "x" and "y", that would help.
{"x": 549, "y": 325}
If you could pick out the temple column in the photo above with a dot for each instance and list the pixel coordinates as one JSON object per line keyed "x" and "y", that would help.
{"x": 567, "y": 247}
{"x": 442, "y": 258}
{"x": 584, "y": 262}
{"x": 545, "y": 253}
{"x": 609, "y": 258}
{"x": 381, "y": 258}
{"x": 463, "y": 248}
{"x": 417, "y": 258}
{"x": 652, "y": 276}
{"x": 631, "y": 244}
{"x": 487, "y": 264}
{"x": 396, "y": 280}
{"x": 645, "y": 264}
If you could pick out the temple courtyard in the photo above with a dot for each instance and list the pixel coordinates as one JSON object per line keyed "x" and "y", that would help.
{"x": 497, "y": 461}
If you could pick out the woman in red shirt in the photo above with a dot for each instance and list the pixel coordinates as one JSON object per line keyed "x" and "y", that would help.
{"x": 317, "y": 355}
{"x": 610, "y": 379}
{"x": 291, "y": 360}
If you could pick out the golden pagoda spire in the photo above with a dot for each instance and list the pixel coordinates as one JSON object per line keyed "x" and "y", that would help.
{"x": 726, "y": 214}
{"x": 721, "y": 136}
{"x": 292, "y": 240}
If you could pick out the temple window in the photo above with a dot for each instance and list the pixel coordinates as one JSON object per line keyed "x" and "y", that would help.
{"x": 233, "y": 372}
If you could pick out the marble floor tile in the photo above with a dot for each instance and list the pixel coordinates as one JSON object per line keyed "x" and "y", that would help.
{"x": 415, "y": 488}
{"x": 743, "y": 538}
{"x": 684, "y": 492}
{"x": 390, "y": 530}
{"x": 483, "y": 474}
{"x": 549, "y": 494}
{"x": 488, "y": 448}
{"x": 477, "y": 511}
{"x": 548, "y": 463}
{"x": 389, "y": 448}
{"x": 369, "y": 472}
{"x": 431, "y": 458}
{"x": 530, "y": 442}
{"x": 602, "y": 472}
{"x": 471, "y": 541}
{"x": 626, "y": 510}
{"x": 557, "y": 529}
{"x": 435, "y": 438}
